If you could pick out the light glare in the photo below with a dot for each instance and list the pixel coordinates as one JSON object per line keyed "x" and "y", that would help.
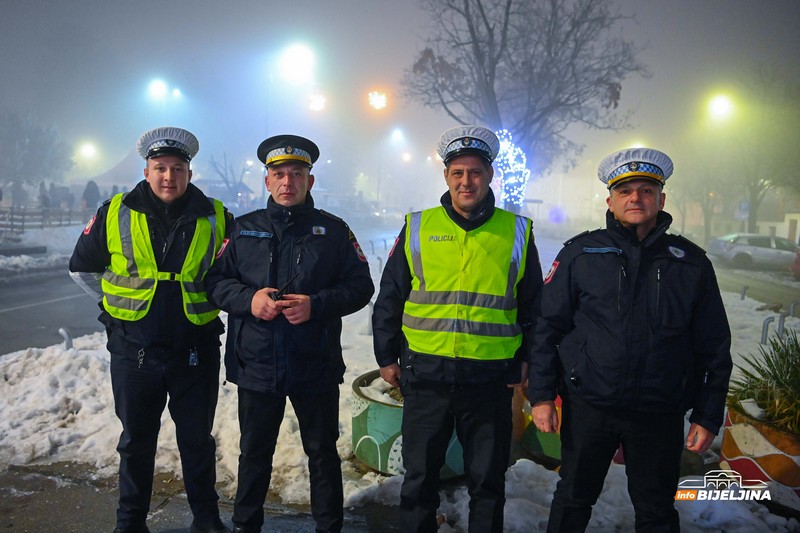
{"x": 377, "y": 100}
{"x": 720, "y": 106}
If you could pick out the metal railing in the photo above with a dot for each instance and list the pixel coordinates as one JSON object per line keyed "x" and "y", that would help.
{"x": 19, "y": 219}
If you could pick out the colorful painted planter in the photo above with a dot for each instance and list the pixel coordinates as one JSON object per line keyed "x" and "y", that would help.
{"x": 377, "y": 440}
{"x": 758, "y": 451}
{"x": 541, "y": 445}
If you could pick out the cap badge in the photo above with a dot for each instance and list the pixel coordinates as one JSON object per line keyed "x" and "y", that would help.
{"x": 289, "y": 150}
{"x": 466, "y": 141}
{"x": 633, "y": 166}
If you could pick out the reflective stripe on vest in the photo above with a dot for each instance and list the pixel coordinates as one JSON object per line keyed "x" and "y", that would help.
{"x": 129, "y": 284}
{"x": 463, "y": 300}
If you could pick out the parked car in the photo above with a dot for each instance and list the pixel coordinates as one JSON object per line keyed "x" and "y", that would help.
{"x": 747, "y": 250}
{"x": 796, "y": 266}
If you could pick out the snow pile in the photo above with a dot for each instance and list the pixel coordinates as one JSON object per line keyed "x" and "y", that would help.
{"x": 56, "y": 405}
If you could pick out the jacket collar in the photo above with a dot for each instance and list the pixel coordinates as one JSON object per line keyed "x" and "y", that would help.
{"x": 484, "y": 212}
{"x": 663, "y": 221}
{"x": 279, "y": 212}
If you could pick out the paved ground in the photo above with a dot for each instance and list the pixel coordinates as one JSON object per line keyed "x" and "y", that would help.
{"x": 67, "y": 498}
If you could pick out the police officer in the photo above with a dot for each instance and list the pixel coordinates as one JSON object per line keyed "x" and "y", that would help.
{"x": 632, "y": 334}
{"x": 449, "y": 324}
{"x": 146, "y": 253}
{"x": 286, "y": 278}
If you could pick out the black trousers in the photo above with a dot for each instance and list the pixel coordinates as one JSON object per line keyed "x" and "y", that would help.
{"x": 140, "y": 395}
{"x": 652, "y": 444}
{"x": 260, "y": 416}
{"x": 481, "y": 415}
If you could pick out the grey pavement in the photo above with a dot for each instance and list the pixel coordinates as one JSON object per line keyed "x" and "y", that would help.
{"x": 69, "y": 498}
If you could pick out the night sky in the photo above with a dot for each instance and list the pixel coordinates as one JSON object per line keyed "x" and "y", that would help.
{"x": 85, "y": 66}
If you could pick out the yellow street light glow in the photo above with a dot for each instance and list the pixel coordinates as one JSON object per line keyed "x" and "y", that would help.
{"x": 406, "y": 157}
{"x": 377, "y": 100}
{"x": 720, "y": 106}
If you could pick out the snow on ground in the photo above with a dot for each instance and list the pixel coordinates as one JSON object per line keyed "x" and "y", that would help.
{"x": 56, "y": 405}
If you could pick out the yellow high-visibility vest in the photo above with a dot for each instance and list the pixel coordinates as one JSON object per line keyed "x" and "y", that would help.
{"x": 130, "y": 281}
{"x": 463, "y": 300}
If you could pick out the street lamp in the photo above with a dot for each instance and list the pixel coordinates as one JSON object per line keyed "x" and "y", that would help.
{"x": 293, "y": 65}
{"x": 296, "y": 64}
{"x": 377, "y": 100}
{"x": 159, "y": 91}
{"x": 720, "y": 106}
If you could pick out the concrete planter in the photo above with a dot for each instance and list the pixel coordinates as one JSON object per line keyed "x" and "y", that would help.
{"x": 758, "y": 451}
{"x": 377, "y": 440}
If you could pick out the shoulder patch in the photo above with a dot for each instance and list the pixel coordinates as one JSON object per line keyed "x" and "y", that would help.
{"x": 549, "y": 277}
{"x": 89, "y": 225}
{"x": 677, "y": 252}
{"x": 359, "y": 252}
{"x": 222, "y": 247}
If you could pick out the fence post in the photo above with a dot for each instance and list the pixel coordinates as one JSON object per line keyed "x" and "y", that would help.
{"x": 64, "y": 332}
{"x": 765, "y": 327}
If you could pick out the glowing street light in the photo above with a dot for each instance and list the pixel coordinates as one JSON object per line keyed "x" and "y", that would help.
{"x": 159, "y": 91}
{"x": 87, "y": 151}
{"x": 317, "y": 102}
{"x": 377, "y": 100}
{"x": 397, "y": 135}
{"x": 720, "y": 106}
{"x": 296, "y": 64}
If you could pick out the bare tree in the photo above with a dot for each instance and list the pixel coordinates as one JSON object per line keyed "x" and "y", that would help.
{"x": 225, "y": 171}
{"x": 30, "y": 153}
{"x": 533, "y": 67}
{"x": 755, "y": 148}
{"x": 767, "y": 150}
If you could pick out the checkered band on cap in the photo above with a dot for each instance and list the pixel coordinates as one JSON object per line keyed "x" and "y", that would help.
{"x": 168, "y": 141}
{"x": 468, "y": 139}
{"x": 633, "y": 163}
{"x": 288, "y": 153}
{"x": 286, "y": 148}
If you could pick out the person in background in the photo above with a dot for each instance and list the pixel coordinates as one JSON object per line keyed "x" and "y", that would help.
{"x": 287, "y": 276}
{"x": 145, "y": 255}
{"x": 631, "y": 333}
{"x": 450, "y": 326}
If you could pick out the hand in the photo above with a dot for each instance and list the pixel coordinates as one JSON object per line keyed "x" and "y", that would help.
{"x": 264, "y": 307}
{"x": 391, "y": 374}
{"x": 523, "y": 377}
{"x": 545, "y": 417}
{"x": 699, "y": 439}
{"x": 296, "y": 307}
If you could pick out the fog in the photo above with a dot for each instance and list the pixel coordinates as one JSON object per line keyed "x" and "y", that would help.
{"x": 86, "y": 65}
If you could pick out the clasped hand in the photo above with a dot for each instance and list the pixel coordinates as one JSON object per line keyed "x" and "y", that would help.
{"x": 295, "y": 307}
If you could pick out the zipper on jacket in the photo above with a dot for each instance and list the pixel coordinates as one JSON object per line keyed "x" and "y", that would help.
{"x": 622, "y": 275}
{"x": 658, "y": 289}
